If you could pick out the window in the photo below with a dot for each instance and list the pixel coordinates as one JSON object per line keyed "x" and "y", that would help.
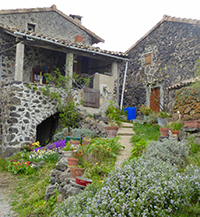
{"x": 31, "y": 27}
{"x": 38, "y": 76}
{"x": 148, "y": 59}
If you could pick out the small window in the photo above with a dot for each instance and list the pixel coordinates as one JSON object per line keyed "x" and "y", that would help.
{"x": 148, "y": 59}
{"x": 31, "y": 27}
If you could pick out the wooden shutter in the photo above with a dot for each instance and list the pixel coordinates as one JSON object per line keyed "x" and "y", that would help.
{"x": 148, "y": 59}
{"x": 91, "y": 97}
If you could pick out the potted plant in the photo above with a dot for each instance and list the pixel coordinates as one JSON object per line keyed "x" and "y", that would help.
{"x": 191, "y": 122}
{"x": 114, "y": 114}
{"x": 164, "y": 131}
{"x": 146, "y": 111}
{"x": 163, "y": 118}
{"x": 175, "y": 126}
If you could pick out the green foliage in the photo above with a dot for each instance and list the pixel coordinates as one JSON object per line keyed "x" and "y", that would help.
{"x": 168, "y": 150}
{"x": 145, "y": 131}
{"x": 163, "y": 114}
{"x": 104, "y": 148}
{"x": 81, "y": 81}
{"x": 3, "y": 164}
{"x": 67, "y": 147}
{"x": 114, "y": 113}
{"x": 83, "y": 132}
{"x": 138, "y": 148}
{"x": 145, "y": 110}
{"x": 175, "y": 126}
{"x": 17, "y": 167}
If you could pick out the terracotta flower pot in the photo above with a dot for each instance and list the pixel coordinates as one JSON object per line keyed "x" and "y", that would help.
{"x": 192, "y": 124}
{"x": 75, "y": 171}
{"x": 112, "y": 131}
{"x": 72, "y": 161}
{"x": 164, "y": 131}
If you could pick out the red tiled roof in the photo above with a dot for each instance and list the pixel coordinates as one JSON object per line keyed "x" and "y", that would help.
{"x": 184, "y": 83}
{"x": 60, "y": 42}
{"x": 169, "y": 19}
{"x": 53, "y": 8}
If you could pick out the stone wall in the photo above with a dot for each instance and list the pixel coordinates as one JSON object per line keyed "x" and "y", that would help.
{"x": 175, "y": 48}
{"x": 187, "y": 102}
{"x": 8, "y": 57}
{"x": 22, "y": 110}
{"x": 48, "y": 22}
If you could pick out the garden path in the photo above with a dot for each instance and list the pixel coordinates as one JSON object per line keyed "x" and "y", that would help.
{"x": 125, "y": 132}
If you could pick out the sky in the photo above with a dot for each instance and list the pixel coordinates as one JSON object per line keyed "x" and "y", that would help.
{"x": 120, "y": 23}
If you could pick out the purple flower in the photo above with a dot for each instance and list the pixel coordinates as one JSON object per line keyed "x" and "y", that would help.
{"x": 35, "y": 150}
{"x": 57, "y": 145}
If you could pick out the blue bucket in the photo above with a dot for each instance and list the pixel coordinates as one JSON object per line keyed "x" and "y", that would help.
{"x": 131, "y": 113}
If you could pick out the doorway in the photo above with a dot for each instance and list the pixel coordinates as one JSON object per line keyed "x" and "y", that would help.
{"x": 155, "y": 99}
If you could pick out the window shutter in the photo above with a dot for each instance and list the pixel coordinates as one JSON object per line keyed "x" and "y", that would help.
{"x": 91, "y": 97}
{"x": 148, "y": 59}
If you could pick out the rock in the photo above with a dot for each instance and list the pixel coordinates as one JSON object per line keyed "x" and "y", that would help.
{"x": 49, "y": 192}
{"x": 62, "y": 164}
{"x": 52, "y": 180}
{"x": 182, "y": 135}
{"x": 72, "y": 191}
{"x": 65, "y": 175}
{"x": 59, "y": 198}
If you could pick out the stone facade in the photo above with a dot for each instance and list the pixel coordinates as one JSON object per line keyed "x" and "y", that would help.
{"x": 175, "y": 48}
{"x": 46, "y": 22}
{"x": 23, "y": 108}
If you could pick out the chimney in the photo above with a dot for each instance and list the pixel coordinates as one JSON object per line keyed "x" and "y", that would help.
{"x": 53, "y": 7}
{"x": 77, "y": 18}
{"x": 78, "y": 38}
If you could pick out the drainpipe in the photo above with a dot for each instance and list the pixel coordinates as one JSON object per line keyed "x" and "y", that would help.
{"x": 123, "y": 85}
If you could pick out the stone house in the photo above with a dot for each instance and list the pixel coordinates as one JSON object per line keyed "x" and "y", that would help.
{"x": 36, "y": 41}
{"x": 163, "y": 57}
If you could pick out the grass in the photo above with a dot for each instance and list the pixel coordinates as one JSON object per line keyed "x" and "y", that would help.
{"x": 145, "y": 132}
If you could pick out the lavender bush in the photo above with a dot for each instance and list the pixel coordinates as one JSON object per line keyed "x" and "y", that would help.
{"x": 137, "y": 189}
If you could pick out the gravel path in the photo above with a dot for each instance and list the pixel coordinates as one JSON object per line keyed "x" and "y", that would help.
{"x": 6, "y": 181}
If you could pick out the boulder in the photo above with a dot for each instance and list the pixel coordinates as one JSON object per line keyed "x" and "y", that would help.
{"x": 62, "y": 164}
{"x": 50, "y": 191}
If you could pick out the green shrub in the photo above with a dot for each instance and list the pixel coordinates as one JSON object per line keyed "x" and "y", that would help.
{"x": 83, "y": 132}
{"x": 59, "y": 136}
{"x": 152, "y": 118}
{"x": 137, "y": 189}
{"x": 138, "y": 148}
{"x": 168, "y": 150}
{"x": 175, "y": 126}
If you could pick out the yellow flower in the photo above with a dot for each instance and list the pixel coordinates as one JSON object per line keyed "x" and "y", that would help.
{"x": 96, "y": 163}
{"x": 79, "y": 144}
{"x": 101, "y": 164}
{"x": 35, "y": 205}
{"x": 44, "y": 202}
{"x": 101, "y": 146}
{"x": 101, "y": 181}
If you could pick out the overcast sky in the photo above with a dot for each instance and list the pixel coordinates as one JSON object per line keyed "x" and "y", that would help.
{"x": 119, "y": 23}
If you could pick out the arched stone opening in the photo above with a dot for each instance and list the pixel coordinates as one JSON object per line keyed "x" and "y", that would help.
{"x": 46, "y": 129}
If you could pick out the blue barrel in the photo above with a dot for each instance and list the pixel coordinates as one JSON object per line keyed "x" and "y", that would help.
{"x": 131, "y": 113}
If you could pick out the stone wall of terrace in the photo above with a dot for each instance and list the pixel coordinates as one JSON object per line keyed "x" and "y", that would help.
{"x": 23, "y": 108}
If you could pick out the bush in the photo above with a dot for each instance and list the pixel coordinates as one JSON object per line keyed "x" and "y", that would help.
{"x": 138, "y": 148}
{"x": 82, "y": 132}
{"x": 169, "y": 150}
{"x": 59, "y": 136}
{"x": 137, "y": 189}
